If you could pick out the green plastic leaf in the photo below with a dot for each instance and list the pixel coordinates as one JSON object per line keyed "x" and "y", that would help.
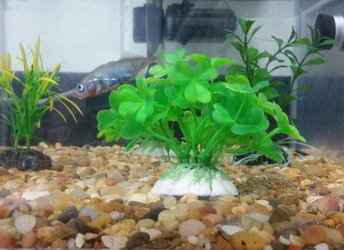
{"x": 115, "y": 100}
{"x": 126, "y": 108}
{"x": 218, "y": 62}
{"x": 238, "y": 46}
{"x": 263, "y": 55}
{"x": 246, "y": 25}
{"x": 176, "y": 98}
{"x": 271, "y": 152}
{"x": 189, "y": 122}
{"x": 133, "y": 142}
{"x": 315, "y": 61}
{"x": 267, "y": 106}
{"x": 327, "y": 42}
{"x": 292, "y": 36}
{"x": 237, "y": 79}
{"x": 236, "y": 70}
{"x": 174, "y": 56}
{"x": 302, "y": 41}
{"x": 241, "y": 88}
{"x": 131, "y": 129}
{"x": 204, "y": 71}
{"x": 286, "y": 99}
{"x": 271, "y": 93}
{"x": 105, "y": 119}
{"x": 197, "y": 57}
{"x": 254, "y": 31}
{"x": 145, "y": 111}
{"x": 221, "y": 116}
{"x": 291, "y": 56}
{"x": 243, "y": 128}
{"x": 251, "y": 54}
{"x": 110, "y": 134}
{"x": 128, "y": 92}
{"x": 197, "y": 92}
{"x": 261, "y": 75}
{"x": 260, "y": 86}
{"x": 157, "y": 71}
{"x": 180, "y": 72}
{"x": 278, "y": 40}
{"x": 297, "y": 71}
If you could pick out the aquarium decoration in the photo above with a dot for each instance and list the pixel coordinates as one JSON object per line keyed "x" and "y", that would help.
{"x": 25, "y": 110}
{"x": 258, "y": 66}
{"x": 214, "y": 116}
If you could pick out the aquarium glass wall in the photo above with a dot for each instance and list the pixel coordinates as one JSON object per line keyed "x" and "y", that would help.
{"x": 81, "y": 35}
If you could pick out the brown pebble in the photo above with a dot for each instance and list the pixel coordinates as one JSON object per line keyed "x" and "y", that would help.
{"x": 193, "y": 214}
{"x": 278, "y": 215}
{"x": 7, "y": 240}
{"x": 327, "y": 204}
{"x": 86, "y": 219}
{"x": 59, "y": 244}
{"x": 111, "y": 207}
{"x": 247, "y": 241}
{"x": 219, "y": 242}
{"x": 29, "y": 240}
{"x": 212, "y": 219}
{"x": 316, "y": 234}
{"x": 340, "y": 228}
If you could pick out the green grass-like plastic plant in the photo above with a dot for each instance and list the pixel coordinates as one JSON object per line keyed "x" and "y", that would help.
{"x": 24, "y": 110}
{"x": 258, "y": 65}
{"x": 214, "y": 116}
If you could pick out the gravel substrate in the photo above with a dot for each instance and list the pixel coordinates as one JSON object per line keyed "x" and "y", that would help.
{"x": 100, "y": 197}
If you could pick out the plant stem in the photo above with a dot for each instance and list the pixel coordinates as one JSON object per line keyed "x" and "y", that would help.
{"x": 212, "y": 142}
{"x": 175, "y": 147}
{"x": 291, "y": 86}
{"x": 274, "y": 132}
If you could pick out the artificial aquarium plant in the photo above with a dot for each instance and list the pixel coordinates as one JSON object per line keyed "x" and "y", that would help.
{"x": 214, "y": 116}
{"x": 26, "y": 109}
{"x": 258, "y": 65}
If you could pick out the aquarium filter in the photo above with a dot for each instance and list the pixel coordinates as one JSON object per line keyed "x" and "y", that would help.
{"x": 182, "y": 23}
{"x": 331, "y": 27}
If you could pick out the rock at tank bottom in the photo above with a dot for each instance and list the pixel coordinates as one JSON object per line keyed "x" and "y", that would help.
{"x": 25, "y": 160}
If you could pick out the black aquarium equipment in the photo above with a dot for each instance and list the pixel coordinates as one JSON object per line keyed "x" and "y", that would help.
{"x": 331, "y": 27}
{"x": 182, "y": 23}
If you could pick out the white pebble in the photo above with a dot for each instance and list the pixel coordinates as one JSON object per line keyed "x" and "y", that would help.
{"x": 138, "y": 197}
{"x": 42, "y": 145}
{"x": 115, "y": 216}
{"x": 262, "y": 218}
{"x": 25, "y": 223}
{"x": 192, "y": 239}
{"x": 284, "y": 241}
{"x": 321, "y": 246}
{"x": 153, "y": 233}
{"x": 71, "y": 243}
{"x": 32, "y": 195}
{"x": 191, "y": 227}
{"x": 313, "y": 198}
{"x": 207, "y": 244}
{"x": 268, "y": 247}
{"x": 114, "y": 241}
{"x": 231, "y": 229}
{"x": 169, "y": 201}
{"x": 79, "y": 240}
{"x": 152, "y": 197}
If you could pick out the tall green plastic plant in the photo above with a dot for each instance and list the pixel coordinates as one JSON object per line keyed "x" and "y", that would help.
{"x": 258, "y": 65}
{"x": 24, "y": 110}
{"x": 214, "y": 116}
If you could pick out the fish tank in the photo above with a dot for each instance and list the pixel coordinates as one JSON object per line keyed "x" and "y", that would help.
{"x": 187, "y": 124}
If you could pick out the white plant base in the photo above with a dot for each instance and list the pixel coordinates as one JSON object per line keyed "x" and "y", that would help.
{"x": 155, "y": 148}
{"x": 187, "y": 185}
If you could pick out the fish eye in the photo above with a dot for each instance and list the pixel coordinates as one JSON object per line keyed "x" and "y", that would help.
{"x": 81, "y": 87}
